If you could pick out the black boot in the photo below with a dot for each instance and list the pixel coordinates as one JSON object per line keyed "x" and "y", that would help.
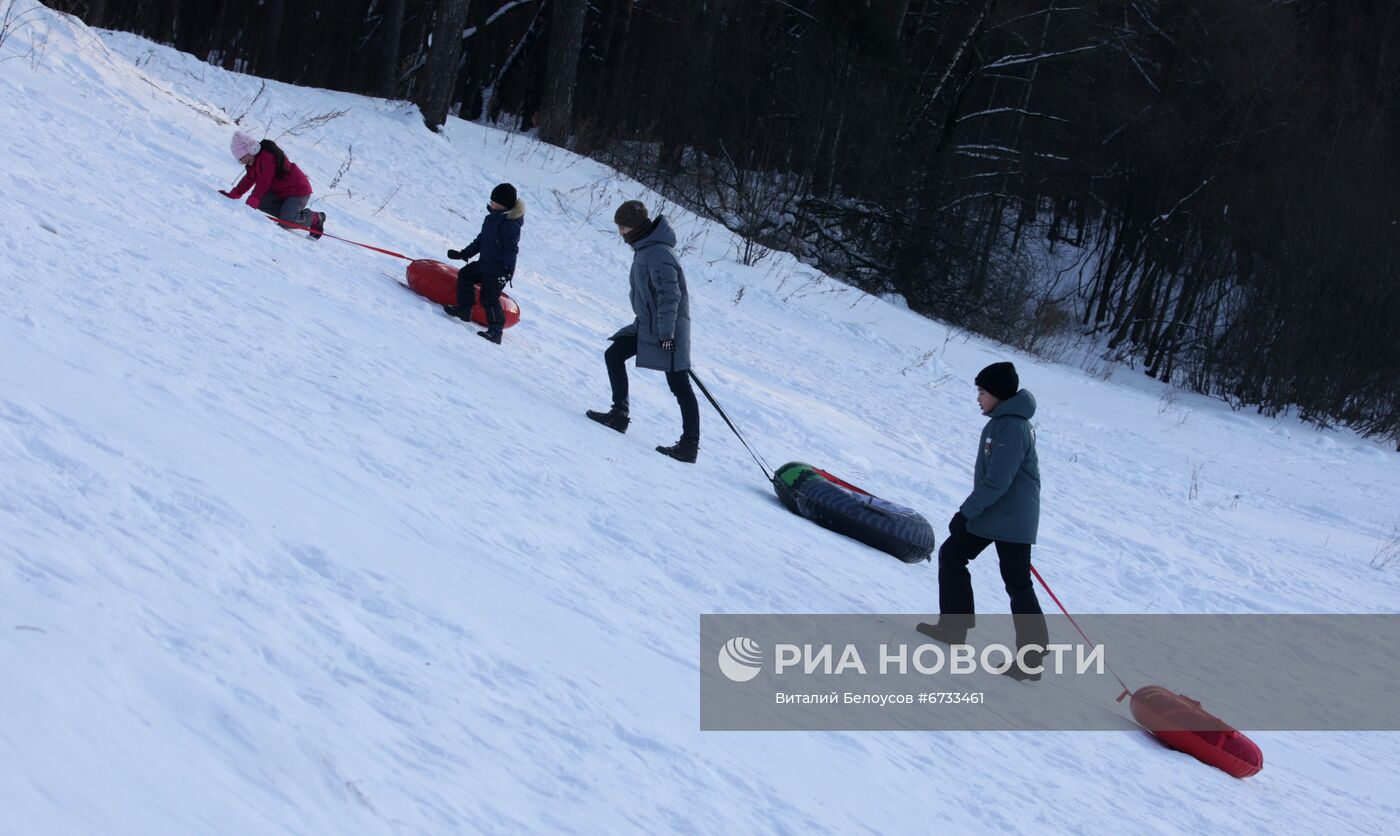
{"x": 615, "y": 418}
{"x": 943, "y": 633}
{"x": 686, "y": 450}
{"x": 491, "y": 336}
{"x": 464, "y": 314}
{"x": 1034, "y": 659}
{"x": 1018, "y": 673}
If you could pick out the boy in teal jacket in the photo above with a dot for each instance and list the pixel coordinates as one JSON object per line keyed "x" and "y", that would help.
{"x": 1003, "y": 508}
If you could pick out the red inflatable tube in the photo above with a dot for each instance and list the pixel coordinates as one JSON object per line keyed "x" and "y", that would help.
{"x": 438, "y": 282}
{"x": 1181, "y": 723}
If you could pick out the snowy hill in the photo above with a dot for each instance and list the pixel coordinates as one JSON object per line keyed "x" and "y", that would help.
{"x": 284, "y": 549}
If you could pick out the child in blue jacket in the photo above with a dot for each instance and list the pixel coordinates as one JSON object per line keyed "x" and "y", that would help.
{"x": 1003, "y": 508}
{"x": 497, "y": 244}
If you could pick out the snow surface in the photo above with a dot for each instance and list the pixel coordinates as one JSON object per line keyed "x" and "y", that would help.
{"x": 285, "y": 550}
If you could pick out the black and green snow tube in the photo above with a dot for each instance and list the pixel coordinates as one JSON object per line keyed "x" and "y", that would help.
{"x": 837, "y": 505}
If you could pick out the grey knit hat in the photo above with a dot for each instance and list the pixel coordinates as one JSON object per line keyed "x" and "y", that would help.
{"x": 631, "y": 214}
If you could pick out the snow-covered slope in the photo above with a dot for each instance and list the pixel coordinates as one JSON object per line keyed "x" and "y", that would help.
{"x": 284, "y": 549}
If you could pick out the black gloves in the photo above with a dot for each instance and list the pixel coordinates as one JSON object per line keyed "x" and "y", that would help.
{"x": 668, "y": 344}
{"x": 454, "y": 255}
{"x": 958, "y": 524}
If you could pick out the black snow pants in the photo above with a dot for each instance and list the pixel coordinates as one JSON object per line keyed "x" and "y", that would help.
{"x": 955, "y": 605}
{"x": 616, "y": 357}
{"x": 490, "y": 295}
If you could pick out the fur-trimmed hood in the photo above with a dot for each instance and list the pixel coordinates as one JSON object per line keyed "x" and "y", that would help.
{"x": 499, "y": 241}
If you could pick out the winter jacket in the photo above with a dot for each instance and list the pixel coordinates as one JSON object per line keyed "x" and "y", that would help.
{"x": 1005, "y": 500}
{"x": 660, "y": 301}
{"x": 498, "y": 242}
{"x": 262, "y": 176}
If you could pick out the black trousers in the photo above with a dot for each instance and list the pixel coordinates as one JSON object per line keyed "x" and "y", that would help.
{"x": 616, "y": 357}
{"x": 490, "y": 295}
{"x": 955, "y": 604}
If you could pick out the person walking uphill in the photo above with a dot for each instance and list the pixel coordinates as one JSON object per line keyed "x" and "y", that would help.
{"x": 1003, "y": 508}
{"x": 498, "y": 243}
{"x": 279, "y": 187}
{"x": 659, "y": 337}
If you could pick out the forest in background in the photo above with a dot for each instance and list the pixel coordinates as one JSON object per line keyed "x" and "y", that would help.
{"x": 1210, "y": 190}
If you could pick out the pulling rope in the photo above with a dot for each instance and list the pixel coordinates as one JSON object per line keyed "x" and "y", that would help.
{"x": 1126, "y": 690}
{"x": 767, "y": 471}
{"x": 293, "y": 225}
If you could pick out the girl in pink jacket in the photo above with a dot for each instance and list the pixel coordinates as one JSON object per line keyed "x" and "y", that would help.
{"x": 279, "y": 187}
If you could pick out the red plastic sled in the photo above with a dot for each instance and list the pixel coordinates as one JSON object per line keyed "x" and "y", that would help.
{"x": 1181, "y": 723}
{"x": 438, "y": 282}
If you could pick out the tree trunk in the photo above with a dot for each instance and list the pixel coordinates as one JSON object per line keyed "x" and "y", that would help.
{"x": 565, "y": 42}
{"x": 887, "y": 26}
{"x": 434, "y": 95}
{"x": 267, "y": 65}
{"x": 385, "y": 84}
{"x": 615, "y": 58}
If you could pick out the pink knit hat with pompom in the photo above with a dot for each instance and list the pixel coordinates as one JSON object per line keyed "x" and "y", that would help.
{"x": 244, "y": 145}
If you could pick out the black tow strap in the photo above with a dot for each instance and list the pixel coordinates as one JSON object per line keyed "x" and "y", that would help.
{"x": 767, "y": 471}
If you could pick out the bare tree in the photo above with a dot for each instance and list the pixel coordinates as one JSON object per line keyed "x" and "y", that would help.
{"x": 433, "y": 95}
{"x": 385, "y": 80}
{"x": 270, "y": 39}
{"x": 565, "y": 42}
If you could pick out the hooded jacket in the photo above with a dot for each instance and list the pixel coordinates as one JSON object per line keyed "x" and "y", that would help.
{"x": 262, "y": 176}
{"x": 659, "y": 300}
{"x": 498, "y": 243}
{"x": 1005, "y": 500}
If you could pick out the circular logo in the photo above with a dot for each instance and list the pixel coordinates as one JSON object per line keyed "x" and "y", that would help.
{"x": 740, "y": 659}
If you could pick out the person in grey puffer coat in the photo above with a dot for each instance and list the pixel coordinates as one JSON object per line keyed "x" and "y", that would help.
{"x": 659, "y": 336}
{"x": 1003, "y": 508}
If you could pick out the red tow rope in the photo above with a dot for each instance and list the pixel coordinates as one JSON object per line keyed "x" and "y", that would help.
{"x": 1126, "y": 690}
{"x": 281, "y": 222}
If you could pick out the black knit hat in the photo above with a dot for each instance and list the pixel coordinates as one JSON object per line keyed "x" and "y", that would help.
{"x": 632, "y": 214}
{"x": 999, "y": 380}
{"x": 504, "y": 194}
